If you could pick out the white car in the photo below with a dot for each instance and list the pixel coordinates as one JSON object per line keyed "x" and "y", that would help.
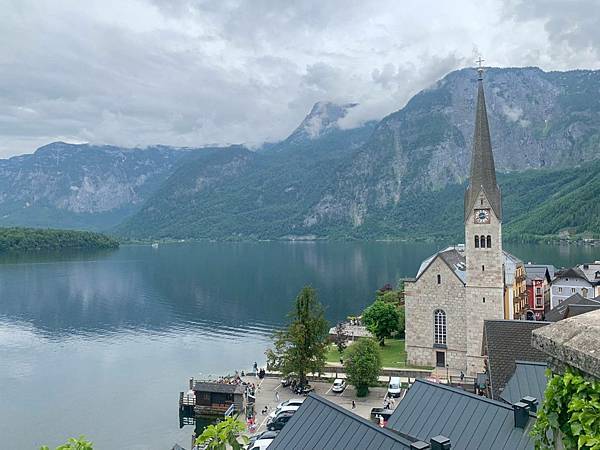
{"x": 261, "y": 444}
{"x": 338, "y": 385}
{"x": 394, "y": 387}
{"x": 272, "y": 415}
{"x": 290, "y": 402}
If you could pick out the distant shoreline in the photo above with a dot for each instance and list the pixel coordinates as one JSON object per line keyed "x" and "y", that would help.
{"x": 30, "y": 240}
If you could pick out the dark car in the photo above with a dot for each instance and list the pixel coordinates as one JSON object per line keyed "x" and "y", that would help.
{"x": 303, "y": 389}
{"x": 280, "y": 420}
{"x": 288, "y": 380}
{"x": 264, "y": 435}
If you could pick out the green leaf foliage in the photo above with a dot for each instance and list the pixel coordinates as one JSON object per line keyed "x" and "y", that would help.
{"x": 226, "y": 434}
{"x": 34, "y": 239}
{"x": 73, "y": 444}
{"x": 362, "y": 361}
{"x": 571, "y": 409}
{"x": 381, "y": 319}
{"x": 300, "y": 348}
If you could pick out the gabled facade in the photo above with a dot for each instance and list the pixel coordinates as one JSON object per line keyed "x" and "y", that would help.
{"x": 568, "y": 282}
{"x": 538, "y": 291}
{"x": 592, "y": 273}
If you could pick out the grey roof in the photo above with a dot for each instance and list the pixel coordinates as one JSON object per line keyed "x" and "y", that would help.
{"x": 591, "y": 271}
{"x": 483, "y": 172}
{"x": 320, "y": 424}
{"x": 469, "y": 421}
{"x": 454, "y": 258}
{"x": 536, "y": 272}
{"x": 563, "y": 309}
{"x": 529, "y": 379}
{"x": 504, "y": 343}
{"x": 220, "y": 388}
{"x": 571, "y": 272}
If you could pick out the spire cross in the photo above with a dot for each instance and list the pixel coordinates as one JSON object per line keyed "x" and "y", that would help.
{"x": 480, "y": 67}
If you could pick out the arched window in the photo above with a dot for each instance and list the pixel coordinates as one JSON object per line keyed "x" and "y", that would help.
{"x": 489, "y": 241}
{"x": 439, "y": 279}
{"x": 482, "y": 241}
{"x": 476, "y": 241}
{"x": 439, "y": 327}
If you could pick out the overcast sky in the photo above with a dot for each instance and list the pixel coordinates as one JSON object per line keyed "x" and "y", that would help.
{"x": 194, "y": 72}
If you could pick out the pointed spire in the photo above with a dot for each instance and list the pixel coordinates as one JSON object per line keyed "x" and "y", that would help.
{"x": 483, "y": 172}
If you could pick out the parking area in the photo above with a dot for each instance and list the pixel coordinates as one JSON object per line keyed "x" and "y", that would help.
{"x": 270, "y": 392}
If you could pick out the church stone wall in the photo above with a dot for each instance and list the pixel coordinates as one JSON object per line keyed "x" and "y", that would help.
{"x": 423, "y": 297}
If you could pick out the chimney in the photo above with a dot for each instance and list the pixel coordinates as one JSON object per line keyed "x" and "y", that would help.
{"x": 419, "y": 445}
{"x": 191, "y": 384}
{"x": 521, "y": 411}
{"x": 532, "y": 402}
{"x": 440, "y": 443}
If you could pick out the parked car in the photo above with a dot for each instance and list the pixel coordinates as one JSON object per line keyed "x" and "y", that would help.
{"x": 261, "y": 444}
{"x": 394, "y": 387}
{"x": 288, "y": 380}
{"x": 291, "y": 402}
{"x": 262, "y": 436}
{"x": 304, "y": 390}
{"x": 338, "y": 385}
{"x": 274, "y": 414}
{"x": 280, "y": 420}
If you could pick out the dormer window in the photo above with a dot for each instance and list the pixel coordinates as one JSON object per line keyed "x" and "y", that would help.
{"x": 597, "y": 275}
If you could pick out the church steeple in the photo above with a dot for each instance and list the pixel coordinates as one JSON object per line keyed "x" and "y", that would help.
{"x": 483, "y": 172}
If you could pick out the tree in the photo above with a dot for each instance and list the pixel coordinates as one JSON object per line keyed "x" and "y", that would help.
{"x": 73, "y": 444}
{"x": 300, "y": 348}
{"x": 340, "y": 337}
{"x": 401, "y": 322}
{"x": 225, "y": 434}
{"x": 381, "y": 319}
{"x": 363, "y": 364}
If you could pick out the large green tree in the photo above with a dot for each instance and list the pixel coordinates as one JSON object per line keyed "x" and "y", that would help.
{"x": 73, "y": 444}
{"x": 362, "y": 361}
{"x": 381, "y": 319}
{"x": 300, "y": 348}
{"x": 225, "y": 434}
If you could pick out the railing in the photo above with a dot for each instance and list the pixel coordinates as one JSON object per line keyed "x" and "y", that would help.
{"x": 230, "y": 410}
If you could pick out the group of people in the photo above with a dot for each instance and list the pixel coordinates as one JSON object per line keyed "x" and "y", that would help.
{"x": 259, "y": 373}
{"x": 389, "y": 402}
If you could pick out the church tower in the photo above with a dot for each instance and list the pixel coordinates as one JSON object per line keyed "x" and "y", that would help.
{"x": 483, "y": 238}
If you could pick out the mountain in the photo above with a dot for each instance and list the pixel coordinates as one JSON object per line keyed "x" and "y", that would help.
{"x": 80, "y": 186}
{"x": 400, "y": 178}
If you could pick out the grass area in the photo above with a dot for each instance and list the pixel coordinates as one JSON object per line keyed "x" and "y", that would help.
{"x": 392, "y": 355}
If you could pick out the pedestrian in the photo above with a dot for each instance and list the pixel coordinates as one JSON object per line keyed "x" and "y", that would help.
{"x": 353, "y": 404}
{"x": 462, "y": 376}
{"x": 276, "y": 395}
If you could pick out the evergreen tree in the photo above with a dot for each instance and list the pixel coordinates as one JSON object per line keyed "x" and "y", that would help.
{"x": 300, "y": 348}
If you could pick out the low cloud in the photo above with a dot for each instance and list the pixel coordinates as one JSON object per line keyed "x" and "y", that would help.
{"x": 195, "y": 72}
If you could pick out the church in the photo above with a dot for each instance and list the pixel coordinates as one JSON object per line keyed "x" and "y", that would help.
{"x": 459, "y": 287}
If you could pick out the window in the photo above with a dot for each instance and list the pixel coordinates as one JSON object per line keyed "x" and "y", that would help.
{"x": 439, "y": 327}
{"x": 572, "y": 290}
{"x": 476, "y": 241}
{"x": 538, "y": 291}
{"x": 483, "y": 268}
{"x": 489, "y": 241}
{"x": 481, "y": 201}
{"x": 597, "y": 275}
{"x": 439, "y": 279}
{"x": 584, "y": 292}
{"x": 483, "y": 299}
{"x": 560, "y": 290}
{"x": 482, "y": 241}
{"x": 539, "y": 302}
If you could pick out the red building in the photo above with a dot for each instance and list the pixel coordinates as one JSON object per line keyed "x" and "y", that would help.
{"x": 538, "y": 291}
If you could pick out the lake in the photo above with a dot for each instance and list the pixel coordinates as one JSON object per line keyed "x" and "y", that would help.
{"x": 101, "y": 343}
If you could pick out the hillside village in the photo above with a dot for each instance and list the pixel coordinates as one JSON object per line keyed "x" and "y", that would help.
{"x": 487, "y": 337}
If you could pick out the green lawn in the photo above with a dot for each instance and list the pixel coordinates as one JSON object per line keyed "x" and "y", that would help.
{"x": 392, "y": 355}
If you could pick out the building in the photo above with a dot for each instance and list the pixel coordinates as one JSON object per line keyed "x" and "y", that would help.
{"x": 515, "y": 295}
{"x": 504, "y": 343}
{"x": 209, "y": 398}
{"x": 538, "y": 280}
{"x": 468, "y": 421}
{"x": 568, "y": 282}
{"x": 592, "y": 273}
{"x": 573, "y": 306}
{"x": 458, "y": 288}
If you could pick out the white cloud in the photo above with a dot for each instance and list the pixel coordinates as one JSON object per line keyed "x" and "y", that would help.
{"x": 192, "y": 72}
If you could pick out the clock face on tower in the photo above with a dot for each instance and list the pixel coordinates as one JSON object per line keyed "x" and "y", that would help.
{"x": 482, "y": 216}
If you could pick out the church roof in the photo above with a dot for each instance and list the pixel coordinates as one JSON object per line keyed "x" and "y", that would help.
{"x": 483, "y": 171}
{"x": 453, "y": 256}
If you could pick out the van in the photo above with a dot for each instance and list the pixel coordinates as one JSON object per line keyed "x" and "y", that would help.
{"x": 394, "y": 387}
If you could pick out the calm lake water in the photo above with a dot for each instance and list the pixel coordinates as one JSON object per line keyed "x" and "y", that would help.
{"x": 101, "y": 343}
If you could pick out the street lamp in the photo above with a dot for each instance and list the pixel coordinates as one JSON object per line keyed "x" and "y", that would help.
{"x": 447, "y": 376}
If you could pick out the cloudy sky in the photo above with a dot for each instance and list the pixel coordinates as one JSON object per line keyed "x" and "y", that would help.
{"x": 194, "y": 72}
